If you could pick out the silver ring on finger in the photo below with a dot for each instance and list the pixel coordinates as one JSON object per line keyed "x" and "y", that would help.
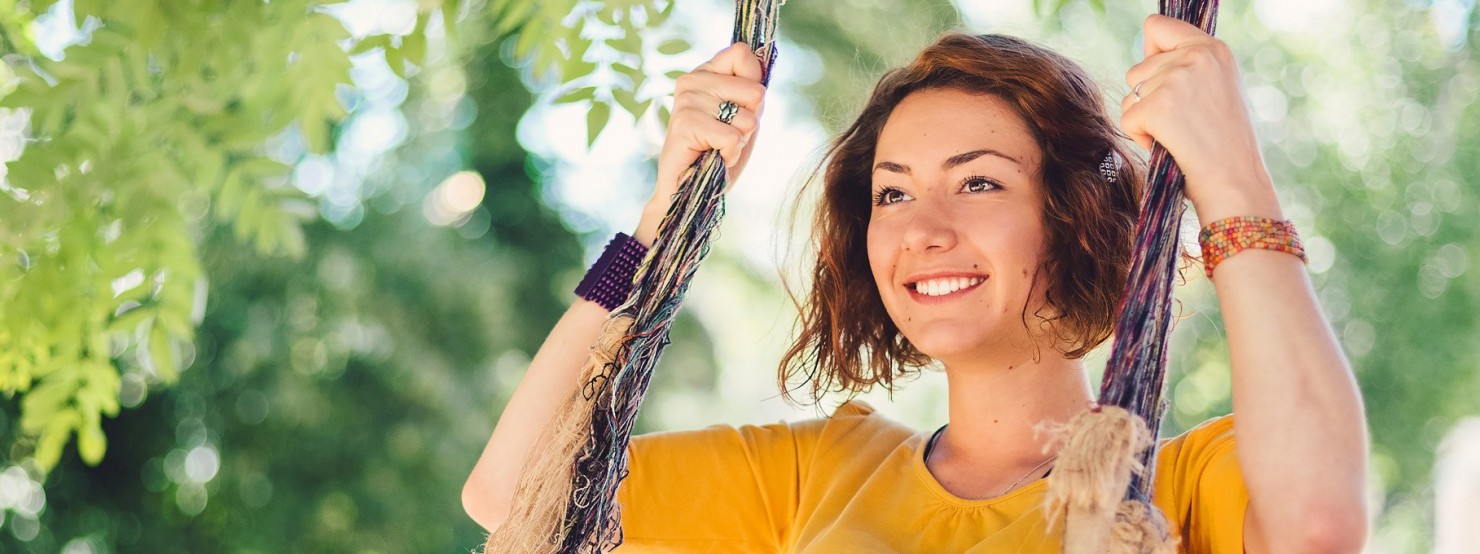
{"x": 1137, "y": 91}
{"x": 727, "y": 111}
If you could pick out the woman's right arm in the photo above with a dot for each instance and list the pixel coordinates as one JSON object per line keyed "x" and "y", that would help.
{"x": 734, "y": 74}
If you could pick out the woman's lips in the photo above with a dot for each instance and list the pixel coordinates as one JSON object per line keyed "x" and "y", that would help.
{"x": 954, "y": 295}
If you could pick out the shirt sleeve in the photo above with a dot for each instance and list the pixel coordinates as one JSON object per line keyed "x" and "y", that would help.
{"x": 717, "y": 489}
{"x": 1201, "y": 490}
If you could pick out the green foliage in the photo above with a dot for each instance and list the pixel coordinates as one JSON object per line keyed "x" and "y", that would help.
{"x": 556, "y": 38}
{"x": 153, "y": 129}
{"x": 343, "y": 396}
{"x": 855, "y": 50}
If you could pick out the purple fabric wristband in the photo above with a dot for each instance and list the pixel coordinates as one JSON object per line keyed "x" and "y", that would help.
{"x": 609, "y": 281}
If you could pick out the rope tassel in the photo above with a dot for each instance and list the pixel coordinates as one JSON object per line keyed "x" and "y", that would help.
{"x": 1102, "y": 486}
{"x": 1095, "y": 464}
{"x": 566, "y": 499}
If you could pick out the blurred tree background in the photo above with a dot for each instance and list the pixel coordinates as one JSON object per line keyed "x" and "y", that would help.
{"x": 419, "y": 184}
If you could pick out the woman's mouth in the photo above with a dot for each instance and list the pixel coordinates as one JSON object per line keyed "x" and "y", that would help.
{"x": 936, "y": 291}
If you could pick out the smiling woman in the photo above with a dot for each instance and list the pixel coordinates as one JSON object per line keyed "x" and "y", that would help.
{"x": 988, "y": 131}
{"x": 979, "y": 213}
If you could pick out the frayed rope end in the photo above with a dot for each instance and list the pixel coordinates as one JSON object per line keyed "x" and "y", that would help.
{"x": 1097, "y": 458}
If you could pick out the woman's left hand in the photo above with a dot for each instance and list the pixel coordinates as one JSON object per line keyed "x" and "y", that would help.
{"x": 1191, "y": 102}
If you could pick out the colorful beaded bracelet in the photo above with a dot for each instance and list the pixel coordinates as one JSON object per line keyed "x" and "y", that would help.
{"x": 1226, "y": 237}
{"x": 609, "y": 281}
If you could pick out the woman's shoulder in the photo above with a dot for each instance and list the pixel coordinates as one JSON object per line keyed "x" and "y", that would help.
{"x": 851, "y": 425}
{"x": 855, "y": 422}
{"x": 1213, "y": 435}
{"x": 1199, "y": 485}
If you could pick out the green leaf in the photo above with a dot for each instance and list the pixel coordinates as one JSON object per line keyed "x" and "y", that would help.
{"x": 316, "y": 131}
{"x": 525, "y": 43}
{"x": 630, "y": 42}
{"x": 248, "y": 221}
{"x": 229, "y": 200}
{"x": 578, "y": 47}
{"x": 414, "y": 45}
{"x": 160, "y": 358}
{"x": 577, "y": 95}
{"x": 396, "y": 61}
{"x": 51, "y": 440}
{"x": 607, "y": 15}
{"x": 633, "y": 74}
{"x": 673, "y": 46}
{"x": 370, "y": 43}
{"x": 450, "y": 16}
{"x": 209, "y": 164}
{"x": 293, "y": 244}
{"x": 596, "y": 120}
{"x": 516, "y": 15}
{"x": 663, "y": 115}
{"x": 45, "y": 401}
{"x": 129, "y": 321}
{"x": 577, "y": 69}
{"x": 629, "y": 102}
{"x": 662, "y": 15}
{"x": 91, "y": 444}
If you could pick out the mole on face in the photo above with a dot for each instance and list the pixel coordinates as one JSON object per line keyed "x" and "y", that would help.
{"x": 1025, "y": 272}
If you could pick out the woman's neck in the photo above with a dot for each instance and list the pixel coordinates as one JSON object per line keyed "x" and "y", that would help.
{"x": 995, "y": 404}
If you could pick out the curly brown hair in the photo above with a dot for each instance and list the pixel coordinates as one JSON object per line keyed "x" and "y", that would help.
{"x": 848, "y": 343}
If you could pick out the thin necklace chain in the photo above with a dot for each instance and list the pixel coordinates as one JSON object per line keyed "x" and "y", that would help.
{"x": 1009, "y": 488}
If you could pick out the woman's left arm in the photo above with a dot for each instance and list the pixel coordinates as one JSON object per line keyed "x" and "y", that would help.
{"x": 1302, "y": 434}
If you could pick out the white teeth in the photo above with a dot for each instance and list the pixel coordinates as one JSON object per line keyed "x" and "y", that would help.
{"x": 942, "y": 287}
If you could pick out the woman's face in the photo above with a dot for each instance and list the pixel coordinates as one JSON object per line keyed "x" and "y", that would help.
{"x": 955, "y": 231}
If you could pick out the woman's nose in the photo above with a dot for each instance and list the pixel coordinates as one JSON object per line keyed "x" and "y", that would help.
{"x": 930, "y": 230}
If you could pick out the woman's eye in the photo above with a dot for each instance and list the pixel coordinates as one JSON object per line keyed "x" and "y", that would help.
{"x": 888, "y": 196}
{"x": 978, "y": 184}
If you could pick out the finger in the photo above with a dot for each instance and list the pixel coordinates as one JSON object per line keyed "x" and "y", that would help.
{"x": 747, "y": 145}
{"x": 1162, "y": 33}
{"x": 1149, "y": 67}
{"x": 708, "y": 133}
{"x": 1132, "y": 120}
{"x": 716, "y": 88}
{"x": 690, "y": 135}
{"x": 737, "y": 60}
{"x": 746, "y": 122}
{"x": 710, "y": 104}
{"x": 1138, "y": 92}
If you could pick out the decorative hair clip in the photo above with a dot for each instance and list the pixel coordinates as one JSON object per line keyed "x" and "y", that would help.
{"x": 1110, "y": 166}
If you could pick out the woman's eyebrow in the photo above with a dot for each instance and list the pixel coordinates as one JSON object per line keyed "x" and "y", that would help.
{"x": 950, "y": 162}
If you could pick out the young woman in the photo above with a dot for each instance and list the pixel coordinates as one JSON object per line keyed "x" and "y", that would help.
{"x": 966, "y": 219}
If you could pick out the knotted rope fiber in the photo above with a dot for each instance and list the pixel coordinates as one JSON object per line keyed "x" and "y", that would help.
{"x": 1110, "y": 451}
{"x": 566, "y": 499}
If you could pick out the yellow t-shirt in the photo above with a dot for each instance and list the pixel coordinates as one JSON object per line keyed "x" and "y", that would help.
{"x": 856, "y": 483}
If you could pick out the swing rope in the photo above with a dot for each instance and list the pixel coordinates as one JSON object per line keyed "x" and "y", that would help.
{"x": 1103, "y": 480}
{"x": 566, "y": 499}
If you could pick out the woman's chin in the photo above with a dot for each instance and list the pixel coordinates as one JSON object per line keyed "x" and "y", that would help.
{"x": 947, "y": 347}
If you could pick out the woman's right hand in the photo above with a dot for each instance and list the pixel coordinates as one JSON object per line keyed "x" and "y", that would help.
{"x": 694, "y": 128}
